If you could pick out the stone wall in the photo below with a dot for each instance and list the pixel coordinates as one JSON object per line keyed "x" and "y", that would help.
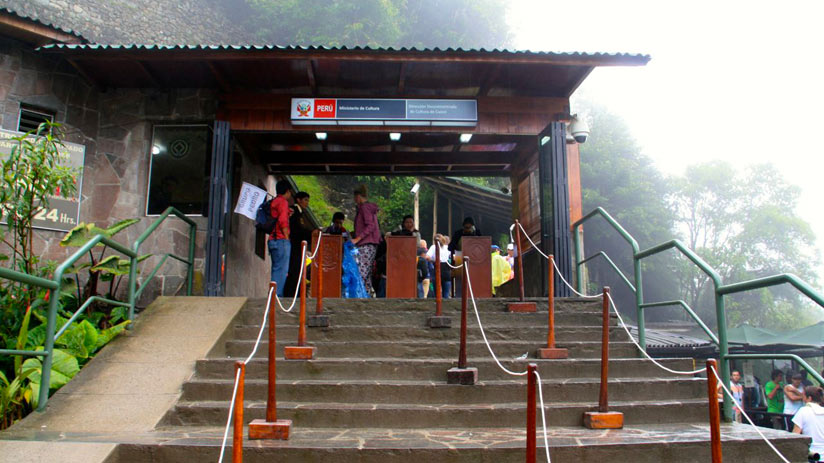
{"x": 115, "y": 126}
{"x": 141, "y": 21}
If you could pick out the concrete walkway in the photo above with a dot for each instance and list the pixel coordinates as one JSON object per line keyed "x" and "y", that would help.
{"x": 128, "y": 387}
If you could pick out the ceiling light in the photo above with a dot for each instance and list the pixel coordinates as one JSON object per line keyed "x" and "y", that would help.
{"x": 465, "y": 137}
{"x": 320, "y": 135}
{"x": 155, "y": 150}
{"x": 544, "y": 140}
{"x": 394, "y": 136}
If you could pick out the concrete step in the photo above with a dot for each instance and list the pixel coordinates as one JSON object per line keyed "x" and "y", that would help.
{"x": 356, "y": 333}
{"x": 419, "y": 318}
{"x": 412, "y": 416}
{"x": 427, "y": 369}
{"x": 653, "y": 443}
{"x": 433, "y": 349}
{"x": 429, "y": 392}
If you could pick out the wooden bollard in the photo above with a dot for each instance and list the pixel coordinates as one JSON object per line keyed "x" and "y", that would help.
{"x": 463, "y": 374}
{"x": 438, "y": 320}
{"x": 301, "y": 351}
{"x": 521, "y": 305}
{"x": 603, "y": 418}
{"x": 531, "y": 403}
{"x": 271, "y": 427}
{"x": 715, "y": 413}
{"x": 318, "y": 320}
{"x": 550, "y": 351}
{"x": 237, "y": 437}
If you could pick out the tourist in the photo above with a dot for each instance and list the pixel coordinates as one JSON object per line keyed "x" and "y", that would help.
{"x": 279, "y": 245}
{"x": 809, "y": 420}
{"x": 407, "y": 228}
{"x": 775, "y": 399}
{"x": 500, "y": 269}
{"x": 367, "y": 235}
{"x": 456, "y": 247}
{"x": 793, "y": 395}
{"x": 300, "y": 229}
{"x": 430, "y": 268}
{"x": 510, "y": 258}
{"x": 336, "y": 227}
{"x": 446, "y": 281}
{"x": 737, "y": 390}
{"x": 423, "y": 273}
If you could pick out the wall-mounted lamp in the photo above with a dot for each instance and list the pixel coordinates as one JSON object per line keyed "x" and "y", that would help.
{"x": 415, "y": 188}
{"x": 320, "y": 136}
{"x": 465, "y": 137}
{"x": 394, "y": 136}
{"x": 155, "y": 150}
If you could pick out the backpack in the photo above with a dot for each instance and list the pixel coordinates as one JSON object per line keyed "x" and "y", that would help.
{"x": 263, "y": 218}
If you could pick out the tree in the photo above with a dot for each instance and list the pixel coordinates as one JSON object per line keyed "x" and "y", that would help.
{"x": 744, "y": 225}
{"x": 616, "y": 176}
{"x": 379, "y": 23}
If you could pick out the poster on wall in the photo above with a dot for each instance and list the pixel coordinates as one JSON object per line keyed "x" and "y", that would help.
{"x": 62, "y": 214}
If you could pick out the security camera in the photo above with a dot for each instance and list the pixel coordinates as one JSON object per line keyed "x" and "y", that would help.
{"x": 579, "y": 129}
{"x": 415, "y": 188}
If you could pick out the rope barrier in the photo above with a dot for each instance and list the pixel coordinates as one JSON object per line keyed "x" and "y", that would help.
{"x": 508, "y": 371}
{"x": 737, "y": 404}
{"x": 237, "y": 375}
{"x": 300, "y": 277}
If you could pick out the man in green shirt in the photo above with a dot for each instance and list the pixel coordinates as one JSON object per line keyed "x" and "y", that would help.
{"x": 775, "y": 395}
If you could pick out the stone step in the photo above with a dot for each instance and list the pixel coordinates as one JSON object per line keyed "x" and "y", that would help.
{"x": 433, "y": 369}
{"x": 389, "y": 317}
{"x": 412, "y": 416}
{"x": 428, "y": 392}
{"x": 356, "y": 333}
{"x": 433, "y": 349}
{"x": 652, "y": 443}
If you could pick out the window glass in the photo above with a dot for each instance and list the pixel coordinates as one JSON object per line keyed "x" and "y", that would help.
{"x": 180, "y": 166}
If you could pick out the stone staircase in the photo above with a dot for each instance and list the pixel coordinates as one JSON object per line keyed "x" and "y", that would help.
{"x": 377, "y": 392}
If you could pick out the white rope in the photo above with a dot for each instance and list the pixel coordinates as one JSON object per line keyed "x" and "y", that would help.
{"x": 317, "y": 246}
{"x": 543, "y": 415}
{"x": 693, "y": 372}
{"x": 531, "y": 242}
{"x": 510, "y": 372}
{"x": 297, "y": 288}
{"x": 237, "y": 375}
{"x": 561, "y": 275}
{"x": 727, "y": 391}
{"x": 456, "y": 268}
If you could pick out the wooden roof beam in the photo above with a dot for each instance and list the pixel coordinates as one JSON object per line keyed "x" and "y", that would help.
{"x": 489, "y": 79}
{"x": 219, "y": 76}
{"x": 310, "y": 75}
{"x": 401, "y": 78}
{"x": 486, "y": 158}
{"x": 149, "y": 74}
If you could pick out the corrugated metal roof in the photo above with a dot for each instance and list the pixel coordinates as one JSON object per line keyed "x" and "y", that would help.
{"x": 42, "y": 23}
{"x": 225, "y": 47}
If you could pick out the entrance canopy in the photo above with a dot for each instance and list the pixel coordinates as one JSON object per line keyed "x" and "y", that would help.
{"x": 517, "y": 93}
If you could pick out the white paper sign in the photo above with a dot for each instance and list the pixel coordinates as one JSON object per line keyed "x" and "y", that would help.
{"x": 250, "y": 199}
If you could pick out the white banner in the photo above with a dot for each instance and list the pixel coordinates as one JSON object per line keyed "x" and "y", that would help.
{"x": 250, "y": 199}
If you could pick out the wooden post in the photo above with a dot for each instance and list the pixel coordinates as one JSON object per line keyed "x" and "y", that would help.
{"x": 271, "y": 427}
{"x": 449, "y": 216}
{"x": 603, "y": 418}
{"x": 550, "y": 351}
{"x": 715, "y": 413}
{"x": 434, "y": 213}
{"x": 463, "y": 374}
{"x": 438, "y": 320}
{"x": 301, "y": 351}
{"x": 531, "y": 404}
{"x": 237, "y": 437}
{"x": 319, "y": 279}
{"x": 520, "y": 306}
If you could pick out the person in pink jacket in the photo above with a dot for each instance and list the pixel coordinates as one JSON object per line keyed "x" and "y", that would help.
{"x": 367, "y": 235}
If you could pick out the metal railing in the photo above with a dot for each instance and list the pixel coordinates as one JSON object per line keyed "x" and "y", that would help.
{"x": 720, "y": 290}
{"x": 54, "y": 285}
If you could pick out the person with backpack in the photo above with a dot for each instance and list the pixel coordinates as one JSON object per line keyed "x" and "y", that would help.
{"x": 280, "y": 247}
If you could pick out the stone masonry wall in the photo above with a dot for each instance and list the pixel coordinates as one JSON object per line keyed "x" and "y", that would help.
{"x": 115, "y": 126}
{"x": 141, "y": 21}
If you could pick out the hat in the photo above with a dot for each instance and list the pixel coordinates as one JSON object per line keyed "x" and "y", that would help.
{"x": 495, "y": 247}
{"x": 361, "y": 190}
{"x": 510, "y": 247}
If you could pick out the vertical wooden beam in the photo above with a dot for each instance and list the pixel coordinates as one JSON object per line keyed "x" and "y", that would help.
{"x": 402, "y": 78}
{"x": 310, "y": 75}
{"x": 449, "y": 215}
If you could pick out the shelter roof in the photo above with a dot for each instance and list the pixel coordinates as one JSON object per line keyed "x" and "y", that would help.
{"x": 32, "y": 30}
{"x": 329, "y": 70}
{"x": 471, "y": 196}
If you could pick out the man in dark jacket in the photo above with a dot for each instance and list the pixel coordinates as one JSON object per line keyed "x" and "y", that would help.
{"x": 468, "y": 229}
{"x": 300, "y": 229}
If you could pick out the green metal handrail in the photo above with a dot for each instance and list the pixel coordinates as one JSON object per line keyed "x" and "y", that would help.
{"x": 614, "y": 267}
{"x": 689, "y": 311}
{"x": 720, "y": 290}
{"x": 55, "y": 284}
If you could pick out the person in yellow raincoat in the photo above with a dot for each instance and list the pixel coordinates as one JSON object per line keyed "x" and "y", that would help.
{"x": 500, "y": 268}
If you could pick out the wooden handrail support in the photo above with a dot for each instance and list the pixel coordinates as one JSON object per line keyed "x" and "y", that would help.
{"x": 550, "y": 351}
{"x": 531, "y": 427}
{"x": 520, "y": 306}
{"x": 603, "y": 418}
{"x": 301, "y": 351}
{"x": 438, "y": 320}
{"x": 715, "y": 412}
{"x": 318, "y": 320}
{"x": 463, "y": 374}
{"x": 271, "y": 427}
{"x": 237, "y": 436}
